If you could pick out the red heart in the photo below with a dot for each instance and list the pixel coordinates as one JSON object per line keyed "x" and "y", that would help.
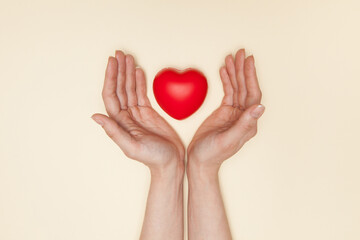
{"x": 180, "y": 93}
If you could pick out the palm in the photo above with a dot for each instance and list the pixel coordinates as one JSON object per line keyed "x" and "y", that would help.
{"x": 150, "y": 135}
{"x": 214, "y": 134}
{"x": 132, "y": 123}
{"x": 224, "y": 132}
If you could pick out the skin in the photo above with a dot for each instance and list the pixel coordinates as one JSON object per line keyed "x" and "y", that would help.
{"x": 219, "y": 137}
{"x": 145, "y": 136}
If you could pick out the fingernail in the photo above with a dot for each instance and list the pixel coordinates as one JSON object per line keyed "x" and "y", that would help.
{"x": 258, "y": 111}
{"x": 98, "y": 121}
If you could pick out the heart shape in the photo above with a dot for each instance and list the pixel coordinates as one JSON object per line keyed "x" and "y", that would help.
{"x": 180, "y": 93}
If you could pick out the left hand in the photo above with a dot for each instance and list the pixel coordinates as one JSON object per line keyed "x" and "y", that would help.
{"x": 227, "y": 129}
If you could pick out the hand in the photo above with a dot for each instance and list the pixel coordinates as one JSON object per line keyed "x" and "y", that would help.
{"x": 132, "y": 123}
{"x": 226, "y": 130}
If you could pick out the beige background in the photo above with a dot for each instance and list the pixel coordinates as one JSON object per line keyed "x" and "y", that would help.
{"x": 62, "y": 178}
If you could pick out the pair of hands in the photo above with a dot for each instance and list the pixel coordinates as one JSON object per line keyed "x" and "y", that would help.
{"x": 145, "y": 136}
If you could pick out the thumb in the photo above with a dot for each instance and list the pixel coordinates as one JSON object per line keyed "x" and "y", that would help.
{"x": 113, "y": 130}
{"x": 248, "y": 120}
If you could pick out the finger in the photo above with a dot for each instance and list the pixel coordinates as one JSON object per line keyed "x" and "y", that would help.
{"x": 109, "y": 95}
{"x": 230, "y": 67}
{"x": 120, "y": 89}
{"x": 121, "y": 137}
{"x": 130, "y": 81}
{"x": 240, "y": 77}
{"x": 246, "y": 125}
{"x": 140, "y": 88}
{"x": 252, "y": 84}
{"x": 228, "y": 89}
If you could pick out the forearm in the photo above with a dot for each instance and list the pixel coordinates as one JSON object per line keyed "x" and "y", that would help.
{"x": 164, "y": 210}
{"x": 206, "y": 213}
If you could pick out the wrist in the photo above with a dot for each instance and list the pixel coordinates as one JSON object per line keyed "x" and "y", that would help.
{"x": 174, "y": 170}
{"x": 198, "y": 170}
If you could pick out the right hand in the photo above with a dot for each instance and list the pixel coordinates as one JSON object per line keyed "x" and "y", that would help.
{"x": 132, "y": 123}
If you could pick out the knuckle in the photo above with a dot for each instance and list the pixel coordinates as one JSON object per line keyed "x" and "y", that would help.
{"x": 120, "y": 91}
{"x": 128, "y": 154}
{"x": 108, "y": 95}
{"x": 111, "y": 134}
{"x": 256, "y": 94}
{"x": 249, "y": 127}
{"x": 242, "y": 91}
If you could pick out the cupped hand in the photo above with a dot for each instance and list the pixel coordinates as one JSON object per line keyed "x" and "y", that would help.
{"x": 226, "y": 130}
{"x": 132, "y": 123}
